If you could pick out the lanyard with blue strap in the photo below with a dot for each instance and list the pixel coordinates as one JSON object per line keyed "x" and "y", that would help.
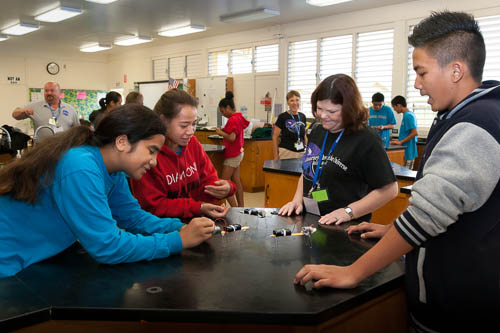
{"x": 55, "y": 115}
{"x": 297, "y": 126}
{"x": 319, "y": 168}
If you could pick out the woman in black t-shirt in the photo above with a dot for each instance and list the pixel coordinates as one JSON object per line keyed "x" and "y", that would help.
{"x": 355, "y": 176}
{"x": 289, "y": 130}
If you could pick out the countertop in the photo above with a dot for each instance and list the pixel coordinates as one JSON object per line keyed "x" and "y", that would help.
{"x": 246, "y": 138}
{"x": 208, "y": 148}
{"x": 293, "y": 166}
{"x": 242, "y": 277}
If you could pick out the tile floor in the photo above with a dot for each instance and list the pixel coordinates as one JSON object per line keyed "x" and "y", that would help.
{"x": 254, "y": 200}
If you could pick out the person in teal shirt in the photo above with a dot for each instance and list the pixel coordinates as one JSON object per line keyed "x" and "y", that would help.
{"x": 73, "y": 188}
{"x": 408, "y": 134}
{"x": 381, "y": 118}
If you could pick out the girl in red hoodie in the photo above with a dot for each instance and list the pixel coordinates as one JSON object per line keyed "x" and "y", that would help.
{"x": 184, "y": 183}
{"x": 233, "y": 141}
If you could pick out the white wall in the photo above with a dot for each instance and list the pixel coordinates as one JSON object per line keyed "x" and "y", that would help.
{"x": 95, "y": 71}
{"x": 74, "y": 74}
{"x": 138, "y": 65}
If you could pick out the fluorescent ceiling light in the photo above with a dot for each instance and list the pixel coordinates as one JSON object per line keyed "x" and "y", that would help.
{"x": 3, "y": 37}
{"x": 249, "y": 15}
{"x": 21, "y": 28}
{"x": 172, "y": 32}
{"x": 133, "y": 40}
{"x": 59, "y": 14}
{"x": 322, "y": 3}
{"x": 95, "y": 48}
{"x": 102, "y": 1}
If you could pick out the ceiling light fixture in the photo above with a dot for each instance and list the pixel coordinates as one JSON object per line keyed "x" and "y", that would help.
{"x": 249, "y": 15}
{"x": 95, "y": 47}
{"x": 58, "y": 14}
{"x": 189, "y": 29}
{"x": 322, "y": 3}
{"x": 21, "y": 28}
{"x": 133, "y": 40}
{"x": 104, "y": 2}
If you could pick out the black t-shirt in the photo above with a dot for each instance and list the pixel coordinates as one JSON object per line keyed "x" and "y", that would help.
{"x": 357, "y": 165}
{"x": 289, "y": 124}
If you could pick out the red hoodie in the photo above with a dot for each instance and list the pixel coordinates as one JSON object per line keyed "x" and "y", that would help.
{"x": 175, "y": 187}
{"x": 235, "y": 124}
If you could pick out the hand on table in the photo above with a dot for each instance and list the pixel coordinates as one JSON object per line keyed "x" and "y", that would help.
{"x": 219, "y": 131}
{"x": 197, "y": 231}
{"x": 326, "y": 276}
{"x": 214, "y": 211}
{"x": 290, "y": 208}
{"x": 219, "y": 190}
{"x": 369, "y": 230}
{"x": 338, "y": 216}
{"x": 396, "y": 142}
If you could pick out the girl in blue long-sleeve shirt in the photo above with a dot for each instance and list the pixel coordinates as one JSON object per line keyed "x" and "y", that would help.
{"x": 72, "y": 187}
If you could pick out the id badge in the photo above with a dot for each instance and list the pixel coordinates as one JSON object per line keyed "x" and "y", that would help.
{"x": 311, "y": 206}
{"x": 320, "y": 195}
{"x": 299, "y": 145}
{"x": 52, "y": 122}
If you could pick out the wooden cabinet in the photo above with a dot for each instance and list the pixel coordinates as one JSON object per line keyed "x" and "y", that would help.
{"x": 251, "y": 173}
{"x": 280, "y": 189}
{"x": 202, "y": 136}
{"x": 396, "y": 155}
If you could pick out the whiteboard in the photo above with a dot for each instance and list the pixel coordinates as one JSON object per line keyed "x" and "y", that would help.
{"x": 152, "y": 91}
{"x": 209, "y": 92}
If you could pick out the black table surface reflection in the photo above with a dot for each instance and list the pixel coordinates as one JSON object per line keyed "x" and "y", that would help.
{"x": 240, "y": 277}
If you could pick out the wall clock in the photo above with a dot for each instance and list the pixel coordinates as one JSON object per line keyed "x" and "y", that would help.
{"x": 52, "y": 68}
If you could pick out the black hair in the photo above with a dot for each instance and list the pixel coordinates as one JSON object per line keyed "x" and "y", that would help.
{"x": 170, "y": 103}
{"x": 112, "y": 96}
{"x": 228, "y": 101}
{"x": 378, "y": 97}
{"x": 399, "y": 100}
{"x": 24, "y": 178}
{"x": 449, "y": 36}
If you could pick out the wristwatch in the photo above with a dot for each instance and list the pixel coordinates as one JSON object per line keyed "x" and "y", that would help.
{"x": 349, "y": 212}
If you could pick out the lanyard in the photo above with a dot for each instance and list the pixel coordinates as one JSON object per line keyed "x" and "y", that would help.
{"x": 297, "y": 126}
{"x": 319, "y": 168}
{"x": 53, "y": 112}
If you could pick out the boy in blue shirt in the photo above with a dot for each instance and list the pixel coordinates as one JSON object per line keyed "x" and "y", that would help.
{"x": 381, "y": 118}
{"x": 408, "y": 134}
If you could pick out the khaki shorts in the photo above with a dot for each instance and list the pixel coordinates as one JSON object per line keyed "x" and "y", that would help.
{"x": 285, "y": 154}
{"x": 234, "y": 162}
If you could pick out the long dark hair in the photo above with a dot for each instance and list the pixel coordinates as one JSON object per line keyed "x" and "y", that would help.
{"x": 26, "y": 177}
{"x": 341, "y": 89}
{"x": 112, "y": 96}
{"x": 170, "y": 103}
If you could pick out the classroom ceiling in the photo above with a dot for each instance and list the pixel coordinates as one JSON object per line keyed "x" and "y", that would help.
{"x": 106, "y": 23}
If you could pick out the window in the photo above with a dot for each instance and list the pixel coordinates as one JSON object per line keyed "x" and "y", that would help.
{"x": 267, "y": 58}
{"x": 241, "y": 61}
{"x": 218, "y": 63}
{"x": 302, "y": 71}
{"x": 176, "y": 67}
{"x": 490, "y": 27}
{"x": 415, "y": 102}
{"x": 193, "y": 65}
{"x": 160, "y": 67}
{"x": 335, "y": 56}
{"x": 373, "y": 71}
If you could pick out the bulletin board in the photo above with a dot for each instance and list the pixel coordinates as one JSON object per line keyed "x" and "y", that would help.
{"x": 84, "y": 101}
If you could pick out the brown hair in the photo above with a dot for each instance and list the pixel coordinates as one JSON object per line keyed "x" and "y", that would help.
{"x": 133, "y": 97}
{"x": 170, "y": 103}
{"x": 25, "y": 178}
{"x": 341, "y": 89}
{"x": 292, "y": 93}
